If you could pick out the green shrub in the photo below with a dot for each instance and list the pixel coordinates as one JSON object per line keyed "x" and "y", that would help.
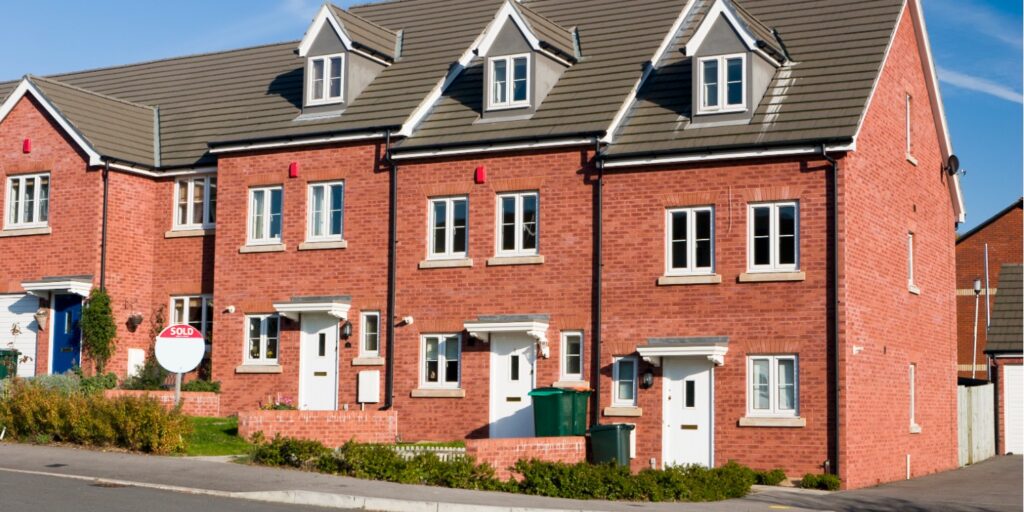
{"x": 98, "y": 329}
{"x": 825, "y": 482}
{"x": 200, "y": 385}
{"x": 772, "y": 477}
{"x": 151, "y": 376}
{"x": 98, "y": 383}
{"x": 286, "y": 451}
{"x": 32, "y": 411}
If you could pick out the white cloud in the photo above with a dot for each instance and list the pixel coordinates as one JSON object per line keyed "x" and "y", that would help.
{"x": 973, "y": 83}
{"x": 980, "y": 19}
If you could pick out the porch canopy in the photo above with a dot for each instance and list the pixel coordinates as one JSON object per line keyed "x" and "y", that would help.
{"x": 712, "y": 347}
{"x": 533, "y": 325}
{"x": 336, "y": 306}
{"x": 78, "y": 285}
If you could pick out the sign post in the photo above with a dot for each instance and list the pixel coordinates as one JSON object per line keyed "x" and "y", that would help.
{"x": 180, "y": 349}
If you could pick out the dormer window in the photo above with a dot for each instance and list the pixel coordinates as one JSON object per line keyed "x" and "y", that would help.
{"x": 722, "y": 84}
{"x": 509, "y": 79}
{"x": 326, "y": 76}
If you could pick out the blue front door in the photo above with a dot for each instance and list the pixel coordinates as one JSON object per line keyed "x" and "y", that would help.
{"x": 67, "y": 336}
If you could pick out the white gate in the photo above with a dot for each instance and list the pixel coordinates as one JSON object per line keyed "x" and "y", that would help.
{"x": 976, "y": 423}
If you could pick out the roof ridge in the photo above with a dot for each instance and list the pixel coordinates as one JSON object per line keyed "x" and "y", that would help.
{"x": 87, "y": 91}
{"x": 362, "y": 18}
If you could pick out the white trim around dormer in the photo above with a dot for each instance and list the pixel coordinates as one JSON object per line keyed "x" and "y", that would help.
{"x": 719, "y": 8}
{"x": 490, "y": 34}
{"x": 324, "y": 15}
{"x": 27, "y": 87}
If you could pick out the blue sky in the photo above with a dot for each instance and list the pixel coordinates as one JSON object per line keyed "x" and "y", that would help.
{"x": 977, "y": 45}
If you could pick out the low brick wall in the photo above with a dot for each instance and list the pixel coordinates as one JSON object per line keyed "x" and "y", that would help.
{"x": 503, "y": 453}
{"x": 193, "y": 403}
{"x": 332, "y": 428}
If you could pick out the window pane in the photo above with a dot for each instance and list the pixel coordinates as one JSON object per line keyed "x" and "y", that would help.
{"x": 500, "y": 75}
{"x": 703, "y": 226}
{"x": 513, "y": 369}
{"x": 762, "y": 221}
{"x": 177, "y": 311}
{"x": 451, "y": 371}
{"x": 679, "y": 242}
{"x": 318, "y": 79}
{"x": 679, "y": 254}
{"x": 626, "y": 379}
{"x": 787, "y": 220}
{"x": 335, "y": 89}
{"x": 431, "y": 349}
{"x": 258, "y": 204}
{"x": 272, "y": 333}
{"x": 710, "y": 75}
{"x": 254, "y": 338}
{"x": 198, "y": 193}
{"x": 318, "y": 210}
{"x": 451, "y": 348}
{"x": 195, "y": 313}
{"x": 44, "y": 198}
{"x": 213, "y": 201}
{"x": 372, "y": 332}
{"x": 440, "y": 226}
{"x": 459, "y": 220}
{"x": 787, "y": 250}
{"x": 573, "y": 354}
{"x": 208, "y": 328}
{"x": 529, "y": 222}
{"x": 760, "y": 384}
{"x": 508, "y": 223}
{"x": 679, "y": 226}
{"x": 519, "y": 84}
{"x": 734, "y": 79}
{"x": 337, "y": 209}
{"x": 762, "y": 231}
{"x": 787, "y": 388}
{"x": 29, "y": 200}
{"x": 691, "y": 393}
{"x": 15, "y": 200}
{"x": 275, "y": 213}
{"x": 703, "y": 249}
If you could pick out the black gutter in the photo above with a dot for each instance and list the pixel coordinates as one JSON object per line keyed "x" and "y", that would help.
{"x": 505, "y": 140}
{"x": 711, "y": 150}
{"x": 389, "y": 369}
{"x": 298, "y": 137}
{"x": 833, "y": 318}
{"x": 595, "y": 301}
{"x": 103, "y": 235}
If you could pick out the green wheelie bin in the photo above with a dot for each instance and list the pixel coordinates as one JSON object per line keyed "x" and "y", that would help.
{"x": 610, "y": 443}
{"x": 552, "y": 412}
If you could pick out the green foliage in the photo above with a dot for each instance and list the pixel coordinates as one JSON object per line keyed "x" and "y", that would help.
{"x": 825, "y": 482}
{"x": 99, "y": 331}
{"x": 215, "y": 436}
{"x": 96, "y": 383}
{"x": 200, "y": 385}
{"x": 772, "y": 477}
{"x": 151, "y": 376}
{"x": 34, "y": 411}
{"x": 286, "y": 451}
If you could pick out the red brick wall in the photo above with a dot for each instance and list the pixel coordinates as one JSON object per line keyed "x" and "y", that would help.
{"x": 502, "y": 454}
{"x": 332, "y": 428}
{"x": 883, "y": 197}
{"x": 193, "y": 403}
{"x": 999, "y": 366}
{"x": 1004, "y": 239}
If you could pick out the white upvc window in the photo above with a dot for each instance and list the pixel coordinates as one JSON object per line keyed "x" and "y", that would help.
{"x": 910, "y": 263}
{"x": 369, "y": 334}
{"x": 572, "y": 356}
{"x": 262, "y": 334}
{"x": 624, "y": 382}
{"x": 194, "y": 310}
{"x": 195, "y": 202}
{"x": 28, "y": 201}
{"x": 518, "y": 223}
{"x": 914, "y": 427}
{"x": 440, "y": 356}
{"x": 265, "y": 206}
{"x": 509, "y": 81}
{"x": 325, "y": 212}
{"x": 326, "y": 80}
{"x": 690, "y": 241}
{"x": 449, "y": 228}
{"x": 772, "y": 386}
{"x": 773, "y": 237}
{"x": 722, "y": 84}
{"x": 909, "y": 128}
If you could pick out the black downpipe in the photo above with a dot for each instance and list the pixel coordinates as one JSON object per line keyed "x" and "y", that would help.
{"x": 833, "y": 318}
{"x": 389, "y": 369}
{"x": 103, "y": 234}
{"x": 595, "y": 336}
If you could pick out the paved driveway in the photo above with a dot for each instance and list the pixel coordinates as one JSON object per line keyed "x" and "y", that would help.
{"x": 994, "y": 485}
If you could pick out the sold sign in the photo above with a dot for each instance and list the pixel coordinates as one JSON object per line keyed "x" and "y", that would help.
{"x": 180, "y": 348}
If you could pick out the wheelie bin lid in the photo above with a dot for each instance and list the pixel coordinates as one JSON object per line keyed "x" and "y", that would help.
{"x": 612, "y": 426}
{"x": 547, "y": 391}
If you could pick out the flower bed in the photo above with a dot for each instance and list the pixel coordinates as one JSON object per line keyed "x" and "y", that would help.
{"x": 193, "y": 403}
{"x": 332, "y": 428}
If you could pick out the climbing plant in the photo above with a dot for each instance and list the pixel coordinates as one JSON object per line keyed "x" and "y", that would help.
{"x": 99, "y": 332}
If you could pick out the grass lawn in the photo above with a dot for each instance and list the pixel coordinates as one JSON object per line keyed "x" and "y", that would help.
{"x": 215, "y": 436}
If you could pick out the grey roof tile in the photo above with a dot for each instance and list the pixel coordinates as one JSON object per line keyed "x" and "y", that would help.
{"x": 1006, "y": 332}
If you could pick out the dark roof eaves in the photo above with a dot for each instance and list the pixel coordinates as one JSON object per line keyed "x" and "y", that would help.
{"x": 299, "y": 137}
{"x": 728, "y": 147}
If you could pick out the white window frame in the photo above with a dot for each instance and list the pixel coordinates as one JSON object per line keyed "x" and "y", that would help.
{"x": 326, "y": 86}
{"x": 509, "y": 74}
{"x": 723, "y": 85}
{"x": 208, "y": 221}
{"x": 325, "y": 221}
{"x": 565, "y": 375}
{"x": 442, "y": 341}
{"x": 268, "y": 240}
{"x": 909, "y": 131}
{"x": 910, "y": 262}
{"x": 264, "y": 336}
{"x": 616, "y": 400}
{"x": 18, "y": 202}
{"x": 691, "y": 239}
{"x": 205, "y": 301}
{"x": 449, "y": 233}
{"x": 773, "y": 236}
{"x": 773, "y": 410}
{"x": 913, "y": 395}
{"x": 518, "y": 250}
{"x": 363, "y": 332}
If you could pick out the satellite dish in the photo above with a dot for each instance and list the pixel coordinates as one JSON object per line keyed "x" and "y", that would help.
{"x": 953, "y": 165}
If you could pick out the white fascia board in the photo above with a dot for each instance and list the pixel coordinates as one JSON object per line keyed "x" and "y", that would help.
{"x": 42, "y": 288}
{"x": 725, "y": 155}
{"x": 323, "y": 16}
{"x": 658, "y": 54}
{"x": 507, "y": 11}
{"x": 292, "y": 310}
{"x": 27, "y": 87}
{"x": 719, "y": 8}
{"x": 142, "y": 171}
{"x": 493, "y": 148}
{"x": 714, "y": 353}
{"x": 296, "y": 142}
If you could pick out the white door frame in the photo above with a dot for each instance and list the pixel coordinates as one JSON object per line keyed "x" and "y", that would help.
{"x": 493, "y": 398}
{"x": 711, "y": 412}
{"x": 302, "y": 362}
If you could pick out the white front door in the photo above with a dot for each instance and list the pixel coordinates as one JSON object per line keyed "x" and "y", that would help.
{"x": 687, "y": 403}
{"x": 512, "y": 361}
{"x": 318, "y": 367}
{"x": 18, "y": 329}
{"x": 1013, "y": 419}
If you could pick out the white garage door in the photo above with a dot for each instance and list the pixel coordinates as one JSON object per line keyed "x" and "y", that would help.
{"x": 18, "y": 329}
{"x": 1013, "y": 396}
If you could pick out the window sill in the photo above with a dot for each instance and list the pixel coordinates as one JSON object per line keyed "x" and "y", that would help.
{"x": 623, "y": 412}
{"x": 452, "y": 263}
{"x": 258, "y": 368}
{"x": 316, "y": 246}
{"x": 911, "y": 159}
{"x": 187, "y": 233}
{"x": 368, "y": 361}
{"x": 25, "y": 232}
{"x": 571, "y": 384}
{"x": 915, "y": 428}
{"x": 770, "y": 277}
{"x": 438, "y": 393}
{"x": 515, "y": 260}
{"x": 694, "y": 279}
{"x": 913, "y": 289}
{"x": 249, "y": 249}
{"x": 754, "y": 421}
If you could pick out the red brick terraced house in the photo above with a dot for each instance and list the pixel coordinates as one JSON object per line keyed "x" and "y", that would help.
{"x": 732, "y": 220}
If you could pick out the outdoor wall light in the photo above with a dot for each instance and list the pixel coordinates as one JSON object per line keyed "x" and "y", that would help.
{"x": 40, "y": 316}
{"x": 647, "y": 379}
{"x": 346, "y": 330}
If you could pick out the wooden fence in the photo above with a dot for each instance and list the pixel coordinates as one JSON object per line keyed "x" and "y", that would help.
{"x": 976, "y": 423}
